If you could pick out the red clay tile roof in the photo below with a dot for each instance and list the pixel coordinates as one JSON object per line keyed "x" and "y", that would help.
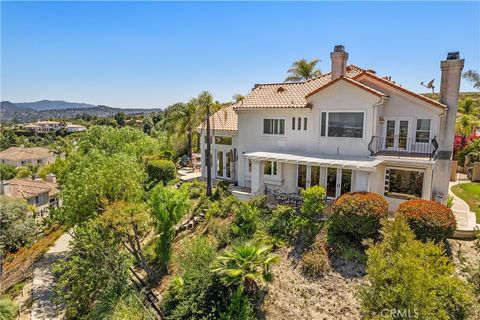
{"x": 224, "y": 119}
{"x": 400, "y": 88}
{"x": 288, "y": 94}
{"x": 353, "y": 82}
{"x": 19, "y": 153}
{"x": 25, "y": 189}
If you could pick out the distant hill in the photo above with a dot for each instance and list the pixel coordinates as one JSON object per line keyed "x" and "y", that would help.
{"x": 463, "y": 95}
{"x": 24, "y": 112}
{"x": 53, "y": 104}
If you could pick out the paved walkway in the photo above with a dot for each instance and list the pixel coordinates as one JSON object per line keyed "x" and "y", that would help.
{"x": 187, "y": 174}
{"x": 466, "y": 220}
{"x": 43, "y": 307}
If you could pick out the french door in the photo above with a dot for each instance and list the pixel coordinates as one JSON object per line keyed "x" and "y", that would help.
{"x": 337, "y": 181}
{"x": 396, "y": 134}
{"x": 223, "y": 164}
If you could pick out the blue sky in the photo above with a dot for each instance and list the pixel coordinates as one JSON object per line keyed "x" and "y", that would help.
{"x": 152, "y": 54}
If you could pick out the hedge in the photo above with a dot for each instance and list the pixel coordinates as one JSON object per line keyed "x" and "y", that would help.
{"x": 161, "y": 171}
{"x": 356, "y": 215}
{"x": 428, "y": 219}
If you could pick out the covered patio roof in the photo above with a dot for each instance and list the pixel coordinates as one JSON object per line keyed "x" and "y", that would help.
{"x": 354, "y": 163}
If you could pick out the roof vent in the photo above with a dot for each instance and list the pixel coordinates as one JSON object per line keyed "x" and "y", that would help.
{"x": 453, "y": 55}
{"x": 280, "y": 89}
{"x": 339, "y": 48}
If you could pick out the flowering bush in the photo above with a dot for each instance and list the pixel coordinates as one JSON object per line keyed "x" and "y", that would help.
{"x": 357, "y": 215}
{"x": 428, "y": 219}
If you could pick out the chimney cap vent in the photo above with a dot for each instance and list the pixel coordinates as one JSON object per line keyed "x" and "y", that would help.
{"x": 453, "y": 55}
{"x": 339, "y": 48}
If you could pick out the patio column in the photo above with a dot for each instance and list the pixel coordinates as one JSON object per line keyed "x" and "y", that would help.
{"x": 257, "y": 177}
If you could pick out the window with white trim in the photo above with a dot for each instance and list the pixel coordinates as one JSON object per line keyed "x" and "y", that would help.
{"x": 342, "y": 124}
{"x": 270, "y": 168}
{"x": 274, "y": 126}
{"x": 403, "y": 183}
{"x": 422, "y": 134}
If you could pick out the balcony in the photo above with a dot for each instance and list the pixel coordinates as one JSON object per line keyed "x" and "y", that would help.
{"x": 402, "y": 147}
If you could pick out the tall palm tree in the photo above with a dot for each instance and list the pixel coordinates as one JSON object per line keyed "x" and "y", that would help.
{"x": 245, "y": 265}
{"x": 474, "y": 77}
{"x": 303, "y": 70}
{"x": 468, "y": 119}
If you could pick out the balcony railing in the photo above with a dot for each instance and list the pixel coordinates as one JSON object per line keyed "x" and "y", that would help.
{"x": 402, "y": 147}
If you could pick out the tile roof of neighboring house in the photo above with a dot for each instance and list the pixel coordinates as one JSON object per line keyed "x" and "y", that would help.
{"x": 224, "y": 119}
{"x": 19, "y": 153}
{"x": 351, "y": 81}
{"x": 400, "y": 88}
{"x": 25, "y": 189}
{"x": 288, "y": 94}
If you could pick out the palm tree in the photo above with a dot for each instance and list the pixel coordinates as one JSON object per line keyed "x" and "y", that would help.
{"x": 474, "y": 77}
{"x": 303, "y": 70}
{"x": 468, "y": 119}
{"x": 245, "y": 265}
{"x": 33, "y": 170}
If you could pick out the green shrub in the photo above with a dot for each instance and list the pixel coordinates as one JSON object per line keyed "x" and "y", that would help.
{"x": 356, "y": 216}
{"x": 220, "y": 230}
{"x": 428, "y": 219}
{"x": 7, "y": 171}
{"x": 315, "y": 262}
{"x": 407, "y": 275}
{"x": 285, "y": 224}
{"x": 8, "y": 309}
{"x": 195, "y": 189}
{"x": 195, "y": 254}
{"x": 245, "y": 222}
{"x": 239, "y": 307}
{"x": 260, "y": 202}
{"x": 221, "y": 190}
{"x": 225, "y": 207}
{"x": 23, "y": 172}
{"x": 161, "y": 171}
{"x": 313, "y": 200}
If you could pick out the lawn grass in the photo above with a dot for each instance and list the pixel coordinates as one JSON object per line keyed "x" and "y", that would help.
{"x": 470, "y": 192}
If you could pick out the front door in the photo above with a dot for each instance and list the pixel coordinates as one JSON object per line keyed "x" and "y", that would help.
{"x": 396, "y": 134}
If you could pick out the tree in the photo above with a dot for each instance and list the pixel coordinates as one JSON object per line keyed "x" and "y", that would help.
{"x": 168, "y": 206}
{"x": 94, "y": 266}
{"x": 468, "y": 120}
{"x": 120, "y": 118}
{"x": 8, "y": 139}
{"x": 238, "y": 97}
{"x": 7, "y": 171}
{"x": 407, "y": 275}
{"x": 33, "y": 170}
{"x": 303, "y": 70}
{"x": 130, "y": 222}
{"x": 96, "y": 179}
{"x": 245, "y": 265}
{"x": 205, "y": 101}
{"x": 148, "y": 125}
{"x": 17, "y": 224}
{"x": 474, "y": 77}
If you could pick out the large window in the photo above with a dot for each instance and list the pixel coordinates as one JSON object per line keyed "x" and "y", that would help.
{"x": 273, "y": 126}
{"x": 403, "y": 183}
{"x": 270, "y": 168}
{"x": 423, "y": 131}
{"x": 344, "y": 124}
{"x": 223, "y": 140}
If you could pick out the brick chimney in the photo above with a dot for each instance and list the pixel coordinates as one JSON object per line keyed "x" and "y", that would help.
{"x": 339, "y": 62}
{"x": 51, "y": 178}
{"x": 449, "y": 91}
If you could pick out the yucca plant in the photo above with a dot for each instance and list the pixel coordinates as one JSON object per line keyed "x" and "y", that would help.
{"x": 246, "y": 265}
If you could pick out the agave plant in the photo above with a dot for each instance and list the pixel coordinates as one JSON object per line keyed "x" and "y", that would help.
{"x": 245, "y": 264}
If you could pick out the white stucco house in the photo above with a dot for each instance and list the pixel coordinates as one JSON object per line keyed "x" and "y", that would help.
{"x": 348, "y": 130}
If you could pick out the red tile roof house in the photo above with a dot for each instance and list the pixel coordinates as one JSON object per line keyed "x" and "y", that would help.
{"x": 348, "y": 130}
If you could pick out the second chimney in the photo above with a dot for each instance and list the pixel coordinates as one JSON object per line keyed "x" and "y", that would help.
{"x": 339, "y": 62}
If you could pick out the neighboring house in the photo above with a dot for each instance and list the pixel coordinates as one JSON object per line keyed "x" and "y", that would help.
{"x": 75, "y": 128}
{"x": 44, "y": 195}
{"x": 348, "y": 130}
{"x": 53, "y": 126}
{"x": 20, "y": 156}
